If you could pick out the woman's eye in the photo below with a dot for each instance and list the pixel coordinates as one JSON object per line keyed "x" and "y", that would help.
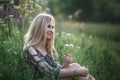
{"x": 49, "y": 26}
{"x": 53, "y": 27}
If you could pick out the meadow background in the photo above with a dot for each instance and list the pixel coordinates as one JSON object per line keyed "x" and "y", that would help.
{"x": 89, "y": 30}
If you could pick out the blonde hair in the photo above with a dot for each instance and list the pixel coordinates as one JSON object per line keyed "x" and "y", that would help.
{"x": 37, "y": 32}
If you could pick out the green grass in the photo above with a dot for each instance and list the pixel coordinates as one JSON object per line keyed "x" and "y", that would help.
{"x": 99, "y": 45}
{"x": 94, "y": 45}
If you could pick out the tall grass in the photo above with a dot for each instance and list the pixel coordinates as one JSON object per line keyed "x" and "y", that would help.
{"x": 96, "y": 46}
{"x": 99, "y": 53}
{"x": 87, "y": 50}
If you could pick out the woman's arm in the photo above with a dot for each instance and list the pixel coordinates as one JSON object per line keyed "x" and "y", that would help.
{"x": 67, "y": 60}
{"x": 42, "y": 64}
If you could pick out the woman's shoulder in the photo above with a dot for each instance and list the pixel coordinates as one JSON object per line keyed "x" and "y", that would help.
{"x": 29, "y": 48}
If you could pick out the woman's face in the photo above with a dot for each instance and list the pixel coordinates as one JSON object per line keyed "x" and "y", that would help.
{"x": 50, "y": 30}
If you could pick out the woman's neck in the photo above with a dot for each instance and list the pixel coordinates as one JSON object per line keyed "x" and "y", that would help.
{"x": 41, "y": 49}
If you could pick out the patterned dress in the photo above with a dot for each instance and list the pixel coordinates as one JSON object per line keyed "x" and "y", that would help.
{"x": 45, "y": 67}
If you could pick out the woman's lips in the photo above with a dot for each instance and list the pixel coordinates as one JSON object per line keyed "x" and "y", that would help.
{"x": 50, "y": 33}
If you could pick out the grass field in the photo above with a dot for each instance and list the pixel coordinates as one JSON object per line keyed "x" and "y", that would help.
{"x": 94, "y": 45}
{"x": 106, "y": 32}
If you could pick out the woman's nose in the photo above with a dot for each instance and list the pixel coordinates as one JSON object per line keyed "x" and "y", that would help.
{"x": 51, "y": 29}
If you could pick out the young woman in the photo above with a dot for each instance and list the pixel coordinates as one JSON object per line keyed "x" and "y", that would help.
{"x": 40, "y": 52}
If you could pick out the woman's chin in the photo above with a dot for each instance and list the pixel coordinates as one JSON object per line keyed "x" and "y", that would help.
{"x": 48, "y": 38}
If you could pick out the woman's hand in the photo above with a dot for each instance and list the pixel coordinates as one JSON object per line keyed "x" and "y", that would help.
{"x": 67, "y": 60}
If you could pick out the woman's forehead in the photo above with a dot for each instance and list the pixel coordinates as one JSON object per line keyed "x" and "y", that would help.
{"x": 52, "y": 22}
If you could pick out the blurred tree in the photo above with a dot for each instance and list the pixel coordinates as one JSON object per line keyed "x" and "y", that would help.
{"x": 91, "y": 10}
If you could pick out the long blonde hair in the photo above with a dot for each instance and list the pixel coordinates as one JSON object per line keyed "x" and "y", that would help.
{"x": 37, "y": 32}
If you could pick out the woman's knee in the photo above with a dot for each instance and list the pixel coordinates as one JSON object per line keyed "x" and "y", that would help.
{"x": 75, "y": 65}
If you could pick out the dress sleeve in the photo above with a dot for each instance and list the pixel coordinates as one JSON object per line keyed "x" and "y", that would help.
{"x": 56, "y": 62}
{"x": 41, "y": 64}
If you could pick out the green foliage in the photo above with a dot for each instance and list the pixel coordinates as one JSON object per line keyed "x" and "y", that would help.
{"x": 87, "y": 50}
{"x": 90, "y": 10}
{"x": 99, "y": 53}
{"x": 91, "y": 46}
{"x": 12, "y": 66}
{"x": 90, "y": 52}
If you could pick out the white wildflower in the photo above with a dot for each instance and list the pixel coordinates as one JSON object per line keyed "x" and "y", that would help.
{"x": 31, "y": 1}
{"x": 16, "y": 7}
{"x": 63, "y": 33}
{"x": 66, "y": 45}
{"x": 3, "y": 24}
{"x": 71, "y": 45}
{"x": 11, "y": 16}
{"x": 68, "y": 34}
